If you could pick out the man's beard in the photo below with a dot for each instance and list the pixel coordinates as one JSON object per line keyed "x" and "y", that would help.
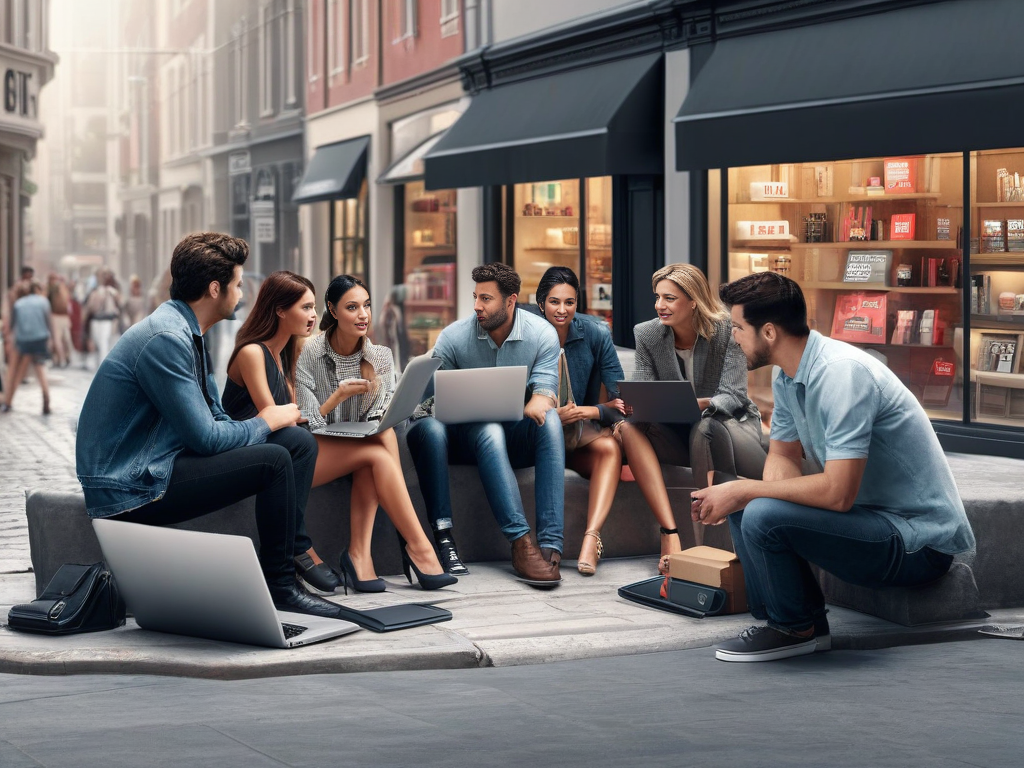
{"x": 760, "y": 356}
{"x": 496, "y": 320}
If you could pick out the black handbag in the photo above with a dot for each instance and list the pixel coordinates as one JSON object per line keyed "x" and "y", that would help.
{"x": 79, "y": 598}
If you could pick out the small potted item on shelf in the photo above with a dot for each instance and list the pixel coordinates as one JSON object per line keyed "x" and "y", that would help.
{"x": 1018, "y": 304}
{"x": 571, "y": 235}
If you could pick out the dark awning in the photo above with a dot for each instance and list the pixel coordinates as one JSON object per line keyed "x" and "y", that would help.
{"x": 335, "y": 172}
{"x": 598, "y": 121}
{"x": 939, "y": 77}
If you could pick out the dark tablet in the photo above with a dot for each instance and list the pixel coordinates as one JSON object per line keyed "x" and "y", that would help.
{"x": 392, "y": 617}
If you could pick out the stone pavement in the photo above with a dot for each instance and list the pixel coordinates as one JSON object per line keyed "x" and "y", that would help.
{"x": 36, "y": 451}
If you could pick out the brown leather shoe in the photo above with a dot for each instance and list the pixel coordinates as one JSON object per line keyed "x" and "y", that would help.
{"x": 553, "y": 556}
{"x": 530, "y": 564}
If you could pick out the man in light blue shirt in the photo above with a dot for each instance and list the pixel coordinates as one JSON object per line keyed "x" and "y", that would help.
{"x": 884, "y": 512}
{"x": 499, "y": 334}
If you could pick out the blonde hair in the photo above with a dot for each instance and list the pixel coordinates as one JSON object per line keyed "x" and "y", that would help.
{"x": 708, "y": 310}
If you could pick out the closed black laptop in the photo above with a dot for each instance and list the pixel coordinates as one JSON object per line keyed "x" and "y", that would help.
{"x": 392, "y": 617}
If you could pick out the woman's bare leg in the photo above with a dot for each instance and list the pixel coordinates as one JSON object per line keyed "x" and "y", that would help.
{"x": 20, "y": 368}
{"x": 44, "y": 385}
{"x": 342, "y": 456}
{"x": 644, "y": 464}
{"x": 601, "y": 463}
{"x": 362, "y": 513}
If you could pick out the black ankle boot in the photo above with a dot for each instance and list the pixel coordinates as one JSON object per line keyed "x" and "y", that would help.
{"x": 448, "y": 554}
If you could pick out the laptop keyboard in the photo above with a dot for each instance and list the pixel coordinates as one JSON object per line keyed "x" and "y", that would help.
{"x": 292, "y": 630}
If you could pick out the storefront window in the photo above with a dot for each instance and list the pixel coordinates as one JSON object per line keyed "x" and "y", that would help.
{"x": 549, "y": 218}
{"x": 997, "y": 287}
{"x": 348, "y": 235}
{"x": 425, "y": 304}
{"x": 874, "y": 244}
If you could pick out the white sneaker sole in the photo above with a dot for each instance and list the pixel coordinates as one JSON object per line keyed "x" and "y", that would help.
{"x": 774, "y": 654}
{"x": 824, "y": 643}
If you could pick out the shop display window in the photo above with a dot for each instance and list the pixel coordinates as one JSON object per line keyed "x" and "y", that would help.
{"x": 426, "y": 299}
{"x": 997, "y": 287}
{"x": 348, "y": 235}
{"x": 565, "y": 223}
{"x": 875, "y": 245}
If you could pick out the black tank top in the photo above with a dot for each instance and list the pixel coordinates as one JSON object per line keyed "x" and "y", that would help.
{"x": 238, "y": 402}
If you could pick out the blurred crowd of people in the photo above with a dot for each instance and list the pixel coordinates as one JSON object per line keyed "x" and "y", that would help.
{"x": 62, "y": 321}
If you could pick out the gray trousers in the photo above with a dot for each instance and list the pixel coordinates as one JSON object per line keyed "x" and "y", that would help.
{"x": 715, "y": 443}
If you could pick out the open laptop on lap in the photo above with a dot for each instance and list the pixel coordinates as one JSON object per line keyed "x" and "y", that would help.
{"x": 203, "y": 585}
{"x": 480, "y": 394}
{"x": 661, "y": 402}
{"x": 408, "y": 395}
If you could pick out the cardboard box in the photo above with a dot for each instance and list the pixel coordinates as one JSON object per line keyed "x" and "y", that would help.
{"x": 715, "y": 568}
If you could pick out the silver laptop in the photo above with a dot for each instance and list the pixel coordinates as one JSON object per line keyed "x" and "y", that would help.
{"x": 203, "y": 585}
{"x": 480, "y": 394}
{"x": 408, "y": 395}
{"x": 661, "y": 402}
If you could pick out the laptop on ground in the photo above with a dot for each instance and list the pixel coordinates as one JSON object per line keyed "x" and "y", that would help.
{"x": 203, "y": 585}
{"x": 661, "y": 402}
{"x": 408, "y": 395}
{"x": 480, "y": 394}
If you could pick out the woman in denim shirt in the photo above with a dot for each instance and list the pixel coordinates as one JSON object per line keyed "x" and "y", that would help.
{"x": 598, "y": 450}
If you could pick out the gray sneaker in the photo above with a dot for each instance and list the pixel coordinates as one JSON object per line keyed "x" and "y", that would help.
{"x": 765, "y": 644}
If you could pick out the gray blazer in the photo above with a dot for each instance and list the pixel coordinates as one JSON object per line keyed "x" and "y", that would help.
{"x": 719, "y": 366}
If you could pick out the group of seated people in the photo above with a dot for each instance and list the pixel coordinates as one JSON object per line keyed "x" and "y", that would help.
{"x": 157, "y": 445}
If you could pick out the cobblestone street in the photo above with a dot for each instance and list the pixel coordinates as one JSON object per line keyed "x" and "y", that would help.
{"x": 36, "y": 451}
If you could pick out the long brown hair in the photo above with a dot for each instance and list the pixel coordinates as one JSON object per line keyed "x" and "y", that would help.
{"x": 280, "y": 291}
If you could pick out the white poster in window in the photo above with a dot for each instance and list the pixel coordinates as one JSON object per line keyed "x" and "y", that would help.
{"x": 263, "y": 229}
{"x": 601, "y": 296}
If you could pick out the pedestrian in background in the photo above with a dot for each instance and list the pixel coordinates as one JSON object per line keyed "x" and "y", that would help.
{"x": 102, "y": 309}
{"x": 60, "y": 319}
{"x": 30, "y": 321}
{"x": 134, "y": 305}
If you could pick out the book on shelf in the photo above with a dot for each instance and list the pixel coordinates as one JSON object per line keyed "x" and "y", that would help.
{"x": 905, "y": 331}
{"x": 1015, "y": 235}
{"x": 867, "y": 267}
{"x": 993, "y": 236}
{"x": 860, "y": 317}
{"x": 943, "y": 228}
{"x": 981, "y": 294}
{"x": 998, "y": 352}
{"x": 900, "y": 174}
{"x": 902, "y": 226}
{"x": 856, "y": 227}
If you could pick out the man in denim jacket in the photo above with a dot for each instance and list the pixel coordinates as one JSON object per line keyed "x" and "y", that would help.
{"x": 496, "y": 335}
{"x": 155, "y": 445}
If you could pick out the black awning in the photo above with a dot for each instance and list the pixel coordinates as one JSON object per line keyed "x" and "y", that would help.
{"x": 598, "y": 121}
{"x": 939, "y": 77}
{"x": 335, "y": 172}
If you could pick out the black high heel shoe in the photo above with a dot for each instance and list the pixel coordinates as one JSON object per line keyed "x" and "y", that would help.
{"x": 348, "y": 577}
{"x": 427, "y": 581}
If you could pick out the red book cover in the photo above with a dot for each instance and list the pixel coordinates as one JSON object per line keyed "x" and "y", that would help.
{"x": 860, "y": 317}
{"x": 902, "y": 226}
{"x": 900, "y": 175}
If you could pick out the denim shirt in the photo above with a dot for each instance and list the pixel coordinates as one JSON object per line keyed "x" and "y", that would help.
{"x": 533, "y": 342}
{"x": 845, "y": 404}
{"x": 30, "y": 317}
{"x": 145, "y": 406}
{"x": 592, "y": 362}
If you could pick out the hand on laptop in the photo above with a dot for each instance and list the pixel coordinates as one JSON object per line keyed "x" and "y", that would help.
{"x": 281, "y": 416}
{"x": 537, "y": 407}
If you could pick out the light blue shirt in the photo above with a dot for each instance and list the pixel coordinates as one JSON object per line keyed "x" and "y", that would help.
{"x": 533, "y": 342}
{"x": 844, "y": 404}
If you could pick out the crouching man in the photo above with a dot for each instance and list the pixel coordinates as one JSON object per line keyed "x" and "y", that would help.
{"x": 884, "y": 512}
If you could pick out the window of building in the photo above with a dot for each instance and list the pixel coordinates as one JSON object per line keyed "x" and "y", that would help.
{"x": 426, "y": 301}
{"x": 349, "y": 235}
{"x": 565, "y": 223}
{"x": 405, "y": 19}
{"x": 359, "y": 28}
{"x": 449, "y": 18}
{"x": 335, "y": 39}
{"x": 240, "y": 185}
{"x": 314, "y": 48}
{"x": 874, "y": 245}
{"x": 241, "y": 75}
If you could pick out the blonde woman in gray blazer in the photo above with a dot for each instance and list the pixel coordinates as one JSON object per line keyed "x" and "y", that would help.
{"x": 691, "y": 339}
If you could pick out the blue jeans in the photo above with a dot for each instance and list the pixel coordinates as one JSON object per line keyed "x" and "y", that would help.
{"x": 776, "y": 540}
{"x": 496, "y": 449}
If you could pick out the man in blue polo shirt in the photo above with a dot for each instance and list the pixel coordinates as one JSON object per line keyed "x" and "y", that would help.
{"x": 499, "y": 334}
{"x": 884, "y": 512}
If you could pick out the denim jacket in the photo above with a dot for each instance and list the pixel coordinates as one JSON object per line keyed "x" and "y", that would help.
{"x": 145, "y": 406}
{"x": 592, "y": 362}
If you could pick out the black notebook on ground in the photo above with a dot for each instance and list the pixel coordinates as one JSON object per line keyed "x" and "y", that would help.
{"x": 392, "y": 617}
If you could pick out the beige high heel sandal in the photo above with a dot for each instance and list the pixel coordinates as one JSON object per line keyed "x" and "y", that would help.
{"x": 589, "y": 569}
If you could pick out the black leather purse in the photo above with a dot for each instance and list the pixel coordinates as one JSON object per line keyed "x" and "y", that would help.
{"x": 79, "y": 598}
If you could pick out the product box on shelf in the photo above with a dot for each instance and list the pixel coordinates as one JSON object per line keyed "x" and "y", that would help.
{"x": 900, "y": 175}
{"x": 860, "y": 317}
{"x": 762, "y": 230}
{"x": 902, "y": 226}
{"x": 867, "y": 267}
